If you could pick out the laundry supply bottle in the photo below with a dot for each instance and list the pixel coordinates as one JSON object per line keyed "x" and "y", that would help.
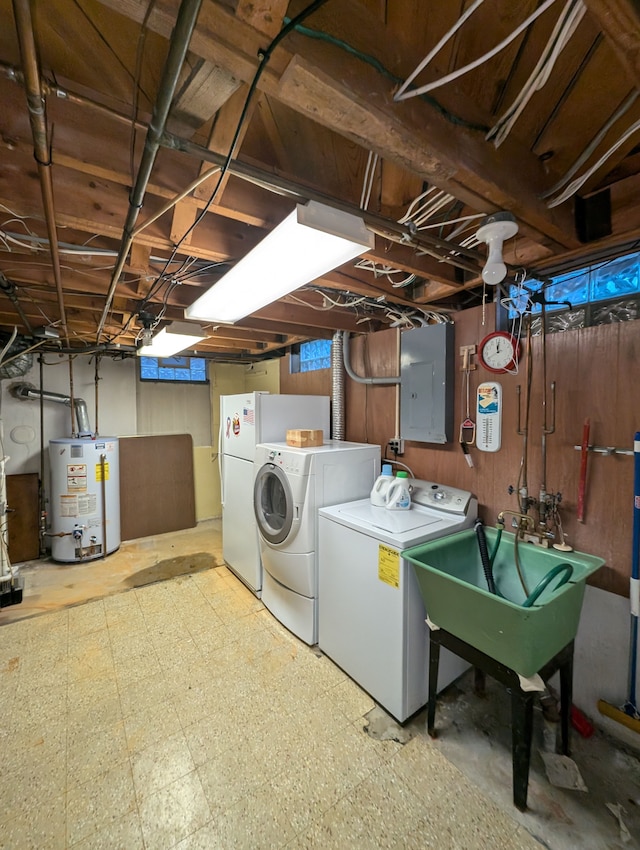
{"x": 398, "y": 495}
{"x": 381, "y": 486}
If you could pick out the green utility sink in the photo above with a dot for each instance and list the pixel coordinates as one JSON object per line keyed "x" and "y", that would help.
{"x": 455, "y": 594}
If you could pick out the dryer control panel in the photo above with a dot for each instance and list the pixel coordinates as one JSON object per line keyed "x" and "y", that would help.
{"x": 431, "y": 495}
{"x": 290, "y": 462}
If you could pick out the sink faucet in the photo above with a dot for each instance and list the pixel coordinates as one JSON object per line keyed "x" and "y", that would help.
{"x": 526, "y": 527}
{"x": 524, "y": 520}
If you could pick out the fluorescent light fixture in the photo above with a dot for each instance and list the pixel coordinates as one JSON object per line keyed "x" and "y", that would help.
{"x": 175, "y": 337}
{"x": 494, "y": 230}
{"x": 312, "y": 240}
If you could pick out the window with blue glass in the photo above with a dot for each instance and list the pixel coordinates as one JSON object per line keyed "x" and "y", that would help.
{"x": 603, "y": 292}
{"x": 185, "y": 370}
{"x": 312, "y": 355}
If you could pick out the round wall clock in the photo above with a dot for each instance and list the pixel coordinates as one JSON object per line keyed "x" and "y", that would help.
{"x": 499, "y": 352}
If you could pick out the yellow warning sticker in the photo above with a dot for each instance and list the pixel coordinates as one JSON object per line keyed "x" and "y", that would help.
{"x": 99, "y": 472}
{"x": 389, "y": 565}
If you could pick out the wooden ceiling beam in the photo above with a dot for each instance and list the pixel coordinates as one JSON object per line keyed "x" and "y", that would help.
{"x": 307, "y": 319}
{"x": 420, "y": 139}
{"x": 336, "y": 90}
{"x": 619, "y": 20}
{"x": 237, "y": 208}
{"x": 205, "y": 88}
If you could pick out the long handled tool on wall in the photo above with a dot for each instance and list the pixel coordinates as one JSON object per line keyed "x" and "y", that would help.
{"x": 584, "y": 455}
{"x": 628, "y": 713}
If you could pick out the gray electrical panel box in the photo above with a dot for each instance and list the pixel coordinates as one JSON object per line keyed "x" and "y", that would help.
{"x": 427, "y": 384}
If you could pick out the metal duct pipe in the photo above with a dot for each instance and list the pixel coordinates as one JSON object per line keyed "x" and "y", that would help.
{"x": 358, "y": 378}
{"x": 41, "y": 152}
{"x": 185, "y": 23}
{"x": 79, "y": 404}
{"x": 337, "y": 388}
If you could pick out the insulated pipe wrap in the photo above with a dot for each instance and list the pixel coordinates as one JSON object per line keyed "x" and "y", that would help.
{"x": 337, "y": 388}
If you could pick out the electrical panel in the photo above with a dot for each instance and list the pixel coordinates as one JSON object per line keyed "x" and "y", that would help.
{"x": 427, "y": 384}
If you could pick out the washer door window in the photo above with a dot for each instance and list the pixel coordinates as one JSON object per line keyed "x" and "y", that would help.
{"x": 273, "y": 504}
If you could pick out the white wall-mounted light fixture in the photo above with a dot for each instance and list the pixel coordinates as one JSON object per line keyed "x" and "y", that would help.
{"x": 312, "y": 240}
{"x": 494, "y": 230}
{"x": 174, "y": 337}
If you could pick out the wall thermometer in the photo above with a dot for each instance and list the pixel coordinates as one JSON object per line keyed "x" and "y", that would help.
{"x": 489, "y": 417}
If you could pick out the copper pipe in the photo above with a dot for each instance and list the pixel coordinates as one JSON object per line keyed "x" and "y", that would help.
{"x": 50, "y": 86}
{"x": 103, "y": 488}
{"x": 73, "y": 431}
{"x": 38, "y": 121}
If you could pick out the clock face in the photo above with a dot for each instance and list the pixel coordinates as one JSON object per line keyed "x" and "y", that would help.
{"x": 498, "y": 352}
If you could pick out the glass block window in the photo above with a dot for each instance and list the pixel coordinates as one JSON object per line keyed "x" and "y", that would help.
{"x": 177, "y": 369}
{"x": 616, "y": 279}
{"x": 312, "y": 355}
{"x": 599, "y": 294}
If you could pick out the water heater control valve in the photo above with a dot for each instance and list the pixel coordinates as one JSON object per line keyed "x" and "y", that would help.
{"x": 78, "y": 531}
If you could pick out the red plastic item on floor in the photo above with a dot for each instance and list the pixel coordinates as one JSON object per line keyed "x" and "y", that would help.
{"x": 581, "y": 723}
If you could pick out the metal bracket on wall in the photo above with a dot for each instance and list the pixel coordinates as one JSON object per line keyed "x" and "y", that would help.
{"x": 606, "y": 450}
{"x": 466, "y": 353}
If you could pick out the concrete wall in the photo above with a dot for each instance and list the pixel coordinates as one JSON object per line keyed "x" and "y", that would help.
{"x": 21, "y": 418}
{"x": 128, "y": 407}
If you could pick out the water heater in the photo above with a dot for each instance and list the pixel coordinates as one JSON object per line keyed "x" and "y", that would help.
{"x": 85, "y": 498}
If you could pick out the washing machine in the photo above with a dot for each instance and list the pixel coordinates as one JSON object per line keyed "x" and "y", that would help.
{"x": 290, "y": 485}
{"x": 371, "y": 613}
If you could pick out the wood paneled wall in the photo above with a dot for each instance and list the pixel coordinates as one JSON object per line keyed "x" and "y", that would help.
{"x": 595, "y": 372}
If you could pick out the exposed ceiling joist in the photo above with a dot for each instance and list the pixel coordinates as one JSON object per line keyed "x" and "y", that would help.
{"x": 323, "y": 111}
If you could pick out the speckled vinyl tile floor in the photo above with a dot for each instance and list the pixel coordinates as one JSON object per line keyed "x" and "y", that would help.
{"x": 181, "y": 714}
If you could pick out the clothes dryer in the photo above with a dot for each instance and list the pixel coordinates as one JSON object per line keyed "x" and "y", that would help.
{"x": 371, "y": 613}
{"x": 291, "y": 484}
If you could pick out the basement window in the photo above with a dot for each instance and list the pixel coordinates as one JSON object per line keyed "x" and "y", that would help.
{"x": 602, "y": 293}
{"x": 311, "y": 356}
{"x": 183, "y": 370}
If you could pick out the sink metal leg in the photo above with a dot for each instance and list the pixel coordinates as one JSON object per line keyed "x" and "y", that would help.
{"x": 479, "y": 682}
{"x": 521, "y": 701}
{"x": 521, "y": 734}
{"x": 434, "y": 661}
{"x": 566, "y": 697}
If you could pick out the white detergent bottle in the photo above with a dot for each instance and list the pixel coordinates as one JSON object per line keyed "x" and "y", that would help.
{"x": 398, "y": 495}
{"x": 380, "y": 489}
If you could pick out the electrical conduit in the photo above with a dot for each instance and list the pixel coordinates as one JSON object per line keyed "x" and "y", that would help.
{"x": 185, "y": 24}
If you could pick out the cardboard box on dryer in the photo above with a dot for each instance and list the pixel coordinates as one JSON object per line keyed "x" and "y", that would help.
{"x": 302, "y": 438}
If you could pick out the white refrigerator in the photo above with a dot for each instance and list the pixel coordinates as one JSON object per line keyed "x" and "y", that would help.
{"x": 246, "y": 420}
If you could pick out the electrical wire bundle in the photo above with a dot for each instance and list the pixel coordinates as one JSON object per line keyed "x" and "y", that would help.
{"x": 368, "y": 308}
{"x": 565, "y": 27}
{"x": 404, "y": 93}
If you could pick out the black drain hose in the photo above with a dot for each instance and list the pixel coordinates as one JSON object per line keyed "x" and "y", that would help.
{"x": 484, "y": 556}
